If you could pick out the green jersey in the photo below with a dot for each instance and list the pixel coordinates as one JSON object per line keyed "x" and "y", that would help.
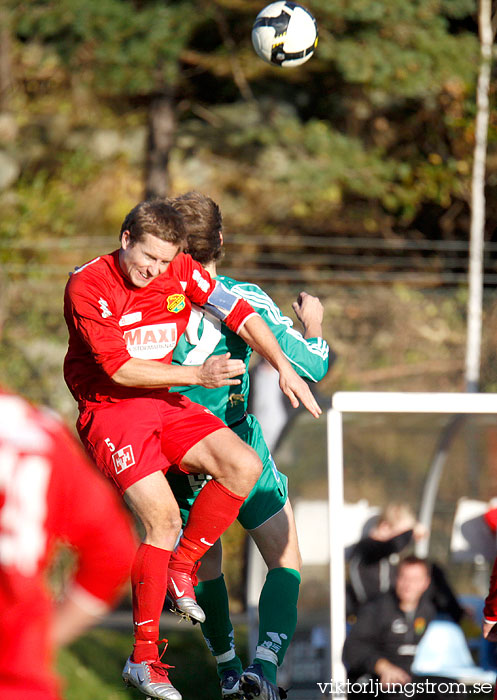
{"x": 205, "y": 335}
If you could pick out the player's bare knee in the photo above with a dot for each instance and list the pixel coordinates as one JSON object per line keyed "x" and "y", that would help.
{"x": 173, "y": 523}
{"x": 162, "y": 529}
{"x": 256, "y": 470}
{"x": 242, "y": 466}
{"x": 251, "y": 465}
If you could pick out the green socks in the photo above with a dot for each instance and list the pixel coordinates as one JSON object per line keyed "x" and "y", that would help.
{"x": 277, "y": 619}
{"x": 217, "y": 629}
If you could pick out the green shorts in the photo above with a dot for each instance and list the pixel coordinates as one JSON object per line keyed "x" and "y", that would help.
{"x": 268, "y": 496}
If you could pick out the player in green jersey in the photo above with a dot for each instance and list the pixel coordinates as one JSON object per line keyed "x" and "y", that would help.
{"x": 267, "y": 513}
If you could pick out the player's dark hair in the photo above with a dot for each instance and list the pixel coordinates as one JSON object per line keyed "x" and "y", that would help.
{"x": 156, "y": 217}
{"x": 203, "y": 223}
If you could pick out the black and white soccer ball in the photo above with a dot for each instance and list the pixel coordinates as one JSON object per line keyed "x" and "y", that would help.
{"x": 285, "y": 34}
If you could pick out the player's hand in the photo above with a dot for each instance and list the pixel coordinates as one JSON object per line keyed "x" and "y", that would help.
{"x": 490, "y": 631}
{"x": 297, "y": 390}
{"x": 309, "y": 311}
{"x": 219, "y": 370}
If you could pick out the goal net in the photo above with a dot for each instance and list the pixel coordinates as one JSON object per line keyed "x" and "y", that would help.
{"x": 427, "y": 449}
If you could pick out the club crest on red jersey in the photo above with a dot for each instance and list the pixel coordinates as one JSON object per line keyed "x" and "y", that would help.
{"x": 176, "y": 303}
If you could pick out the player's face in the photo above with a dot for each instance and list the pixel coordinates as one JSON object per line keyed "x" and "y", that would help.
{"x": 146, "y": 259}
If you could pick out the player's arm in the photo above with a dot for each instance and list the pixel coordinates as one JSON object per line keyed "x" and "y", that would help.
{"x": 308, "y": 353}
{"x": 256, "y": 333}
{"x": 218, "y": 370}
{"x": 241, "y": 318}
{"x": 73, "y": 615}
{"x": 489, "y": 629}
{"x": 92, "y": 520}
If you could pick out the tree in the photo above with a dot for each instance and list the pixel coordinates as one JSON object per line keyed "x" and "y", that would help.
{"x": 380, "y": 119}
{"x": 477, "y": 233}
{"x": 123, "y": 49}
{"x": 6, "y": 77}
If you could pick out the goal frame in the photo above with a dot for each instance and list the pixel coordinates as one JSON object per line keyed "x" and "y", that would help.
{"x": 345, "y": 402}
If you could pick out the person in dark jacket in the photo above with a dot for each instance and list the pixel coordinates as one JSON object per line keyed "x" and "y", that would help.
{"x": 381, "y": 645}
{"x": 374, "y": 559}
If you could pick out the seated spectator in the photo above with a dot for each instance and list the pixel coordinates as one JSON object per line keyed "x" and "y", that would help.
{"x": 373, "y": 562}
{"x": 381, "y": 645}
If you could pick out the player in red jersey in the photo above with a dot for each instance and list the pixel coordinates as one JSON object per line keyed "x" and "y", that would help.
{"x": 490, "y": 609}
{"x": 125, "y": 312}
{"x": 50, "y": 492}
{"x": 490, "y": 612}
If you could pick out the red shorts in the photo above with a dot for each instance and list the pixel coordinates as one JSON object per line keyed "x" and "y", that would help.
{"x": 136, "y": 437}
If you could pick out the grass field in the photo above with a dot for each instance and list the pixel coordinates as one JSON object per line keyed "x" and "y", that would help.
{"x": 91, "y": 667}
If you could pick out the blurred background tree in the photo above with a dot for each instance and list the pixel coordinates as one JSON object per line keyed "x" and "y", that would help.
{"x": 352, "y": 169}
{"x": 348, "y": 176}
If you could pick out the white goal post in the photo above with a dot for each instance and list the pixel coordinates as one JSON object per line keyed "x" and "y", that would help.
{"x": 372, "y": 402}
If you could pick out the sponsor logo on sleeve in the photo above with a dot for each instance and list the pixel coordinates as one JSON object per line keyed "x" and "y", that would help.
{"x": 123, "y": 459}
{"x": 175, "y": 303}
{"x": 104, "y": 306}
{"x": 201, "y": 281}
{"x": 151, "y": 342}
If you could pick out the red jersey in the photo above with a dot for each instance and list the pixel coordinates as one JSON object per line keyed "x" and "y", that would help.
{"x": 110, "y": 320}
{"x": 490, "y": 609}
{"x": 49, "y": 492}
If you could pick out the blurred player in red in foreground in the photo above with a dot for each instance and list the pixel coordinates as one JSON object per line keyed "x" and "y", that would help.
{"x": 49, "y": 492}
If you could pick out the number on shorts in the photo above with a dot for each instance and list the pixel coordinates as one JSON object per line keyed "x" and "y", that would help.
{"x": 110, "y": 444}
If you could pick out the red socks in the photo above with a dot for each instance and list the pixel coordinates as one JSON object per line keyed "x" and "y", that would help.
{"x": 148, "y": 584}
{"x": 213, "y": 511}
{"x": 215, "y": 508}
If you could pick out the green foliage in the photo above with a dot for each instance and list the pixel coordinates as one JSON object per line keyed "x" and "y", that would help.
{"x": 122, "y": 47}
{"x": 388, "y": 92}
{"x": 44, "y": 205}
{"x": 373, "y": 136}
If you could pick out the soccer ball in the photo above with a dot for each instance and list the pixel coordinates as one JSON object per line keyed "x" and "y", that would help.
{"x": 285, "y": 34}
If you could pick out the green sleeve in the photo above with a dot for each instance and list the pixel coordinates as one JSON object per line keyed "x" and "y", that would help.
{"x": 310, "y": 356}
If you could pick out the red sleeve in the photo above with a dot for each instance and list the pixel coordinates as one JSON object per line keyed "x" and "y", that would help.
{"x": 90, "y": 517}
{"x": 98, "y": 327}
{"x": 199, "y": 283}
{"x": 200, "y": 286}
{"x": 490, "y": 609}
{"x": 241, "y": 313}
{"x": 490, "y": 518}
